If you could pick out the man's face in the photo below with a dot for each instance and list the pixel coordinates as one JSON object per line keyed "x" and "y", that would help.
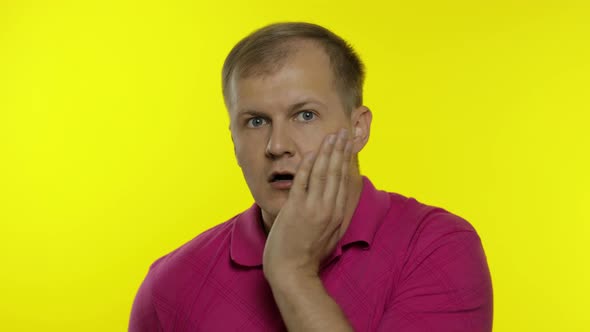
{"x": 276, "y": 118}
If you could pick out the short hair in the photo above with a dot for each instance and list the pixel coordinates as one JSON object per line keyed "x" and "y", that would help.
{"x": 265, "y": 50}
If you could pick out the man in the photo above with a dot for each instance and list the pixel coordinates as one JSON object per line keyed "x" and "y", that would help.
{"x": 321, "y": 249}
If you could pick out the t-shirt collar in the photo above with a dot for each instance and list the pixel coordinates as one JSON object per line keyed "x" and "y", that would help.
{"x": 248, "y": 238}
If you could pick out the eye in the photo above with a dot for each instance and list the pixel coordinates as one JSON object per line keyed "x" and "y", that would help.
{"x": 256, "y": 122}
{"x": 306, "y": 116}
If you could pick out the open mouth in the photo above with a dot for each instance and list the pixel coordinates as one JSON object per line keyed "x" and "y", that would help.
{"x": 276, "y": 177}
{"x": 281, "y": 181}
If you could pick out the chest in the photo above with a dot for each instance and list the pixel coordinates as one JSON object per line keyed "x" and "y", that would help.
{"x": 243, "y": 301}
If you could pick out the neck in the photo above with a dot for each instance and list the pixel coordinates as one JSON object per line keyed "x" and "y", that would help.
{"x": 355, "y": 188}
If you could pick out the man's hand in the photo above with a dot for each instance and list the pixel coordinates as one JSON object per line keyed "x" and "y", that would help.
{"x": 307, "y": 228}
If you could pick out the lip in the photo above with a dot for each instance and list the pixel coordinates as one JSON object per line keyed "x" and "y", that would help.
{"x": 282, "y": 184}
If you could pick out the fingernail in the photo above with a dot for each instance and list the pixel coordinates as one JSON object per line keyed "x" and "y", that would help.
{"x": 332, "y": 139}
{"x": 343, "y": 133}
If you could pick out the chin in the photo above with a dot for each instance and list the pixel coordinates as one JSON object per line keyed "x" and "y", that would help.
{"x": 273, "y": 202}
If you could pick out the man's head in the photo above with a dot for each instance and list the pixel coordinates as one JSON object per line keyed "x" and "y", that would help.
{"x": 286, "y": 87}
{"x": 265, "y": 50}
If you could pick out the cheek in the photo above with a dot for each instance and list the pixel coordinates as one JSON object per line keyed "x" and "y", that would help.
{"x": 245, "y": 157}
{"x": 248, "y": 152}
{"x": 310, "y": 139}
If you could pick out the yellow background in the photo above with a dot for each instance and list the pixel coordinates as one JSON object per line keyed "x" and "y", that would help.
{"x": 114, "y": 148}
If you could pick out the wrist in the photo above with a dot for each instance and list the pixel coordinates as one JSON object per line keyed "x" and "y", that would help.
{"x": 291, "y": 278}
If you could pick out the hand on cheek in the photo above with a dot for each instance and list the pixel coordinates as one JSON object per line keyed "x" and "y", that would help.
{"x": 307, "y": 228}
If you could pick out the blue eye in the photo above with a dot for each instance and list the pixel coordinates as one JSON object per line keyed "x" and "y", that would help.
{"x": 306, "y": 116}
{"x": 256, "y": 122}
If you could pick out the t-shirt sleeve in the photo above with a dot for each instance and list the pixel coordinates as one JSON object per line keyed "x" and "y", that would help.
{"x": 144, "y": 317}
{"x": 445, "y": 284}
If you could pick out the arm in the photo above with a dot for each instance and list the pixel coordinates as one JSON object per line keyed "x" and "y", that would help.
{"x": 305, "y": 231}
{"x": 143, "y": 313}
{"x": 306, "y": 306}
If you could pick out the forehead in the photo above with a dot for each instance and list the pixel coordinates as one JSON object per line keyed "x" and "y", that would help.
{"x": 304, "y": 73}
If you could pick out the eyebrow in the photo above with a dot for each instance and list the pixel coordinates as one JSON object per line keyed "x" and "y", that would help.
{"x": 292, "y": 108}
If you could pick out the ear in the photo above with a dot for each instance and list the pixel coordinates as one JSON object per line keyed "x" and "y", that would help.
{"x": 361, "y": 127}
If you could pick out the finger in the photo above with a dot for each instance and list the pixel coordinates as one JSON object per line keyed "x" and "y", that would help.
{"x": 301, "y": 179}
{"x": 335, "y": 170}
{"x": 345, "y": 178}
{"x": 334, "y": 238}
{"x": 318, "y": 176}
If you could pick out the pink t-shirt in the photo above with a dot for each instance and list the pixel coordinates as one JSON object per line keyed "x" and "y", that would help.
{"x": 402, "y": 266}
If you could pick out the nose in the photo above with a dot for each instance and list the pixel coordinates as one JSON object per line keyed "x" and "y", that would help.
{"x": 279, "y": 143}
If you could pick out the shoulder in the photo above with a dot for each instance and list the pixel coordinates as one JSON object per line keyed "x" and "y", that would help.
{"x": 413, "y": 232}
{"x": 189, "y": 262}
{"x": 439, "y": 267}
{"x": 197, "y": 249}
{"x": 416, "y": 224}
{"x": 424, "y": 237}
{"x": 433, "y": 221}
{"x": 164, "y": 286}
